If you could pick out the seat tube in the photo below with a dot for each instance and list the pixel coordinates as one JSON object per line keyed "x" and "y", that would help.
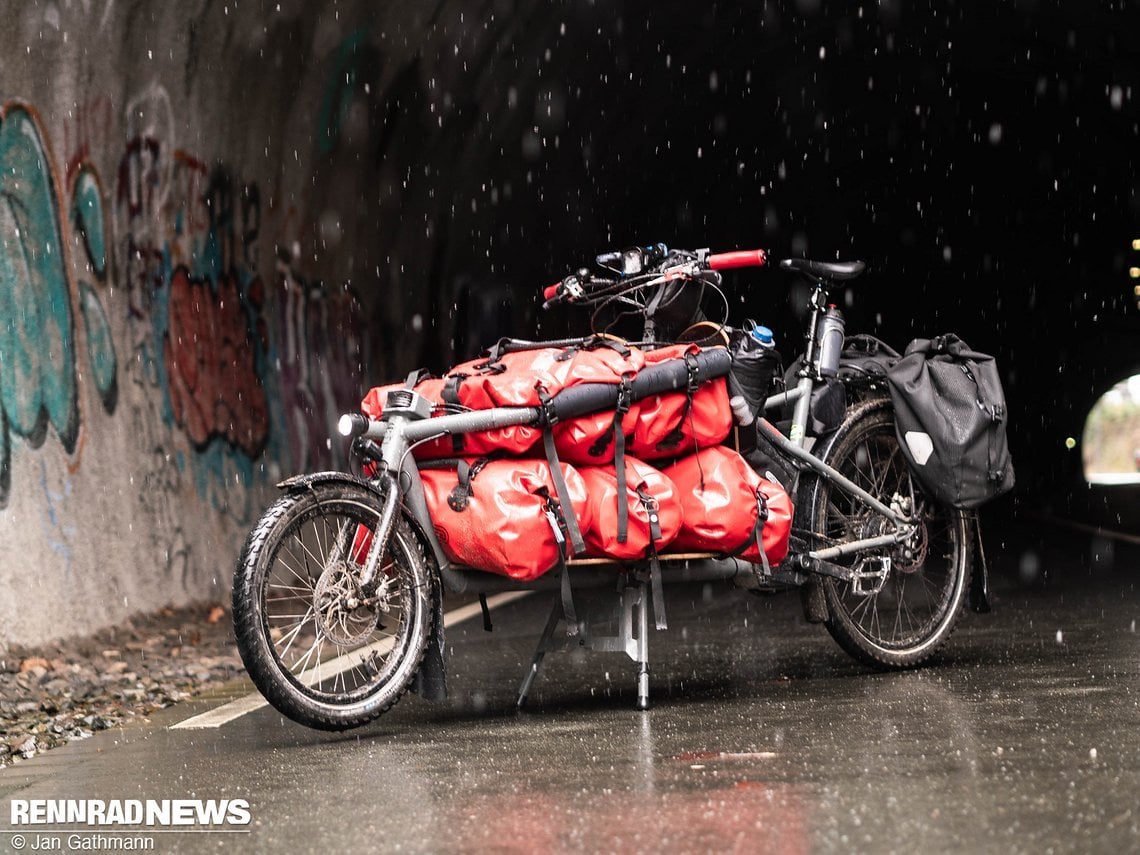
{"x": 810, "y": 370}
{"x": 802, "y": 411}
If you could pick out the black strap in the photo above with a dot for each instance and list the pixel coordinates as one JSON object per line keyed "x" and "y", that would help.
{"x": 624, "y": 402}
{"x": 449, "y": 394}
{"x": 547, "y": 412}
{"x": 996, "y": 413}
{"x": 568, "y": 611}
{"x": 495, "y": 352}
{"x": 487, "y": 627}
{"x": 757, "y": 535}
{"x": 461, "y": 494}
{"x": 491, "y": 368}
{"x": 450, "y": 391}
{"x": 416, "y": 377}
{"x": 618, "y": 347}
{"x": 560, "y": 527}
{"x": 653, "y": 514}
{"x": 673, "y": 439}
{"x": 616, "y": 431}
{"x": 659, "y": 619}
{"x": 577, "y": 545}
{"x": 594, "y": 342}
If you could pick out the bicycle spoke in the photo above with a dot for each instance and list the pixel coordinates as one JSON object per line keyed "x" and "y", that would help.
{"x": 304, "y": 580}
{"x": 295, "y": 632}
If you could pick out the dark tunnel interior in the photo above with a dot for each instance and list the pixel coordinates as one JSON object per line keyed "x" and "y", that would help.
{"x": 981, "y": 158}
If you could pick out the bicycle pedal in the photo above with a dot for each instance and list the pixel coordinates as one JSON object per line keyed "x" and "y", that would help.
{"x": 878, "y": 577}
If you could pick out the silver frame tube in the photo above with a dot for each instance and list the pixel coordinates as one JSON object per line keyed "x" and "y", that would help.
{"x": 833, "y": 475}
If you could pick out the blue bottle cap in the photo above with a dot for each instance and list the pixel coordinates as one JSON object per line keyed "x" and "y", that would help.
{"x": 762, "y": 335}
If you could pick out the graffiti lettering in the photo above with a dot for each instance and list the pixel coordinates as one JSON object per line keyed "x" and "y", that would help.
{"x": 37, "y": 340}
{"x": 209, "y": 357}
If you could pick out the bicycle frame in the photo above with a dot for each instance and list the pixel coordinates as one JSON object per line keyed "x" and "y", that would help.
{"x": 398, "y": 478}
{"x": 374, "y": 566}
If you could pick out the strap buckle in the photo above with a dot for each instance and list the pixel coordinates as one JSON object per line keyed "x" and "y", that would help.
{"x": 547, "y": 412}
{"x": 653, "y": 510}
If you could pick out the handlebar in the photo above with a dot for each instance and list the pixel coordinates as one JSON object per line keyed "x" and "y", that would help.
{"x": 581, "y": 284}
{"x": 741, "y": 258}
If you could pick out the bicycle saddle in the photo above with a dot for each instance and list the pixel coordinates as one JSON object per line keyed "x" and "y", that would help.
{"x": 839, "y": 271}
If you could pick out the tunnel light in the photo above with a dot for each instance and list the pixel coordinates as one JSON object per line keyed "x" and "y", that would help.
{"x": 1136, "y": 244}
{"x": 1134, "y": 272}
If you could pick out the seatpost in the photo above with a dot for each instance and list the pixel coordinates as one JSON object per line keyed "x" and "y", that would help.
{"x": 809, "y": 371}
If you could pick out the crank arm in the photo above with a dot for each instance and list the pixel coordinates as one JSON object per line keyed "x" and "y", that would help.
{"x": 854, "y": 546}
{"x": 824, "y": 568}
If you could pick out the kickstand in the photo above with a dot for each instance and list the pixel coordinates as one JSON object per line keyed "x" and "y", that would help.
{"x": 540, "y": 652}
{"x": 628, "y": 607}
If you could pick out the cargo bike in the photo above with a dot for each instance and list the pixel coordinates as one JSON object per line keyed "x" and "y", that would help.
{"x": 602, "y": 470}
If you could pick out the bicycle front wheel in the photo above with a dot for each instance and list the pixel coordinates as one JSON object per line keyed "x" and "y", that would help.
{"x": 896, "y": 617}
{"x": 319, "y": 651}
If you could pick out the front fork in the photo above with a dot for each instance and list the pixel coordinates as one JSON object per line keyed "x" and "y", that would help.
{"x": 392, "y": 452}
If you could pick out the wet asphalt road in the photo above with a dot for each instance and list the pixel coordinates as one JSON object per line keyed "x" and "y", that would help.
{"x": 763, "y": 737}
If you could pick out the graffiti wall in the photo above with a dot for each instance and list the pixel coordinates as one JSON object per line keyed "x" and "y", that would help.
{"x": 171, "y": 343}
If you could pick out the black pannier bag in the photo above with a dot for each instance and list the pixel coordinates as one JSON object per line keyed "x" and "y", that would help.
{"x": 951, "y": 420}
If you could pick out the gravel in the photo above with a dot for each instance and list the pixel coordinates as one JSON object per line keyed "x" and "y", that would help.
{"x": 67, "y": 690}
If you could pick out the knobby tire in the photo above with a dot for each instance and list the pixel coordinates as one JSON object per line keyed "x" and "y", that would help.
{"x": 919, "y": 604}
{"x": 288, "y": 617}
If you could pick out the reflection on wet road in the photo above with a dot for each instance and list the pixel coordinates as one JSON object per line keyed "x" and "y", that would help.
{"x": 763, "y": 736}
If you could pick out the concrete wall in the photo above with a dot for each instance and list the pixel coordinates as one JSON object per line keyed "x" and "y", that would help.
{"x": 220, "y": 222}
{"x": 179, "y": 322}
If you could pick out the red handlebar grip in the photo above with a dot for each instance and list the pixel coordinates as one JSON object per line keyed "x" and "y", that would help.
{"x": 551, "y": 291}
{"x": 742, "y": 258}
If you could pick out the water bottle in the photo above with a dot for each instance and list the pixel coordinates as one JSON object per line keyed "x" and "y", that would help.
{"x": 830, "y": 333}
{"x": 754, "y": 361}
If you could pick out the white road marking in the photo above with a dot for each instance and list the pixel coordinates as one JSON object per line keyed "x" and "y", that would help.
{"x": 237, "y": 708}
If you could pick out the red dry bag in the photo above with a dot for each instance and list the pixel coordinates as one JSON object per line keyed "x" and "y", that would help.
{"x": 672, "y": 424}
{"x": 652, "y": 513}
{"x": 724, "y": 501}
{"x": 516, "y": 439}
{"x": 521, "y": 378}
{"x": 503, "y": 516}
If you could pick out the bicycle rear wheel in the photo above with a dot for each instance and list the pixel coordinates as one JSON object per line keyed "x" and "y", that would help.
{"x": 898, "y": 617}
{"x": 316, "y": 649}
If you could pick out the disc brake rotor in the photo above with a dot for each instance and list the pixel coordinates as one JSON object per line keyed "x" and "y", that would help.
{"x": 341, "y": 618}
{"x": 910, "y": 555}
